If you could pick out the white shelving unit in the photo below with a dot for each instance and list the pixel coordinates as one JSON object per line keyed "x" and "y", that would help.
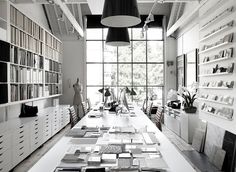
{"x": 34, "y": 67}
{"x": 213, "y": 15}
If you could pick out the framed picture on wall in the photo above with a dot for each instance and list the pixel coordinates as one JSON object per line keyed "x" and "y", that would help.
{"x": 181, "y": 71}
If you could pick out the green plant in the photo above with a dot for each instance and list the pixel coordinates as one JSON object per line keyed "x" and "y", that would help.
{"x": 188, "y": 98}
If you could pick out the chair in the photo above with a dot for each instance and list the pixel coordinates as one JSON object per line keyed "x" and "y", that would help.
{"x": 157, "y": 118}
{"x": 74, "y": 118}
{"x": 149, "y": 108}
{"x": 84, "y": 108}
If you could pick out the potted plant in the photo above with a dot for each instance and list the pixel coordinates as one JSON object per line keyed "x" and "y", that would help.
{"x": 189, "y": 99}
{"x": 188, "y": 102}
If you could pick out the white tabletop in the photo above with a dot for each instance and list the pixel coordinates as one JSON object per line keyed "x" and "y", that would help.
{"x": 174, "y": 159}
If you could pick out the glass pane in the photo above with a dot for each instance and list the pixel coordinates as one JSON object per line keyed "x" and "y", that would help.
{"x": 156, "y": 94}
{"x": 155, "y": 51}
{"x": 155, "y": 74}
{"x": 124, "y": 74}
{"x": 93, "y": 94}
{"x": 110, "y": 53}
{"x": 94, "y": 74}
{"x": 141, "y": 95}
{"x": 154, "y": 34}
{"x": 139, "y": 74}
{"x": 105, "y": 33}
{"x": 110, "y": 74}
{"x": 94, "y": 51}
{"x": 139, "y": 51}
{"x": 114, "y": 95}
{"x": 94, "y": 34}
{"x": 124, "y": 54}
{"x": 137, "y": 34}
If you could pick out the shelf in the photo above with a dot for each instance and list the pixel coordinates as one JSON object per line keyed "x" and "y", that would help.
{"x": 215, "y": 47}
{"x": 216, "y": 74}
{"x": 25, "y": 66}
{"x": 26, "y": 49}
{"x": 29, "y": 100}
{"x": 216, "y": 20}
{"x": 212, "y": 114}
{"x": 217, "y": 88}
{"x": 216, "y": 60}
{"x": 213, "y": 101}
{"x": 22, "y": 30}
{"x": 217, "y": 32}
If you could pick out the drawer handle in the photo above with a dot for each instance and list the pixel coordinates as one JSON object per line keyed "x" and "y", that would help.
{"x": 21, "y": 137}
{"x": 0, "y": 169}
{"x": 1, "y": 148}
{"x": 36, "y": 120}
{"x": 1, "y": 154}
{"x": 21, "y": 154}
{"x": 1, "y": 136}
{"x": 22, "y": 126}
{"x": 21, "y": 147}
{"x": 21, "y": 141}
{"x": 36, "y": 143}
{"x": 36, "y": 132}
{"x": 36, "y": 128}
{"x": 1, "y": 142}
{"x": 21, "y": 131}
{"x": 36, "y": 124}
{"x": 36, "y": 137}
{"x": 1, "y": 162}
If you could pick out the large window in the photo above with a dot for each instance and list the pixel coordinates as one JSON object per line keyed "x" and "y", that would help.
{"x": 139, "y": 66}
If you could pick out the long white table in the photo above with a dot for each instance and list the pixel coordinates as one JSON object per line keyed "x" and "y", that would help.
{"x": 173, "y": 158}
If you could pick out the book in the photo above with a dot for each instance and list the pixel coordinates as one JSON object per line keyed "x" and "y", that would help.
{"x": 109, "y": 158}
{"x": 3, "y": 93}
{"x": 3, "y": 72}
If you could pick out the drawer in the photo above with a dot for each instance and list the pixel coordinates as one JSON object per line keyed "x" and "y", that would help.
{"x": 6, "y": 167}
{"x": 5, "y": 158}
{"x": 5, "y": 143}
{"x": 20, "y": 152}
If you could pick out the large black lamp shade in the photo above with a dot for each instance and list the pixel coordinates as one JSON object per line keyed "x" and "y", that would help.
{"x": 120, "y": 13}
{"x": 117, "y": 37}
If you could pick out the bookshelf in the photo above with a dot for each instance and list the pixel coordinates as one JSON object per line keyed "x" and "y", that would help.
{"x": 30, "y": 60}
{"x": 217, "y": 59}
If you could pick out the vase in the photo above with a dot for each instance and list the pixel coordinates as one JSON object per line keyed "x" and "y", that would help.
{"x": 191, "y": 109}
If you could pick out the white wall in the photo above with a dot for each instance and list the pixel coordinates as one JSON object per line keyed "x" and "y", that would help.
{"x": 73, "y": 67}
{"x": 170, "y": 71}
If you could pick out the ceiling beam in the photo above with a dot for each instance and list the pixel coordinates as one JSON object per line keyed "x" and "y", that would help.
{"x": 70, "y": 17}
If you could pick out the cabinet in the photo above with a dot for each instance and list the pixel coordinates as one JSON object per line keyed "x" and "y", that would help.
{"x": 20, "y": 137}
{"x": 181, "y": 123}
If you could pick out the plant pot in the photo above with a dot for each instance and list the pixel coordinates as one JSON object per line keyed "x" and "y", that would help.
{"x": 192, "y": 109}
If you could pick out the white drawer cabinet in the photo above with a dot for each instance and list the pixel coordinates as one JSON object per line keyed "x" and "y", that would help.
{"x": 36, "y": 133}
{"x": 21, "y": 136}
{"x": 181, "y": 123}
{"x": 5, "y": 152}
{"x": 47, "y": 127}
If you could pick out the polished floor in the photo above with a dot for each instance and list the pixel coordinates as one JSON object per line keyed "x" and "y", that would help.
{"x": 31, "y": 160}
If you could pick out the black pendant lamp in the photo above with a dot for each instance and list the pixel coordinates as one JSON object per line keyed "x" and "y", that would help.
{"x": 118, "y": 37}
{"x": 120, "y": 13}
